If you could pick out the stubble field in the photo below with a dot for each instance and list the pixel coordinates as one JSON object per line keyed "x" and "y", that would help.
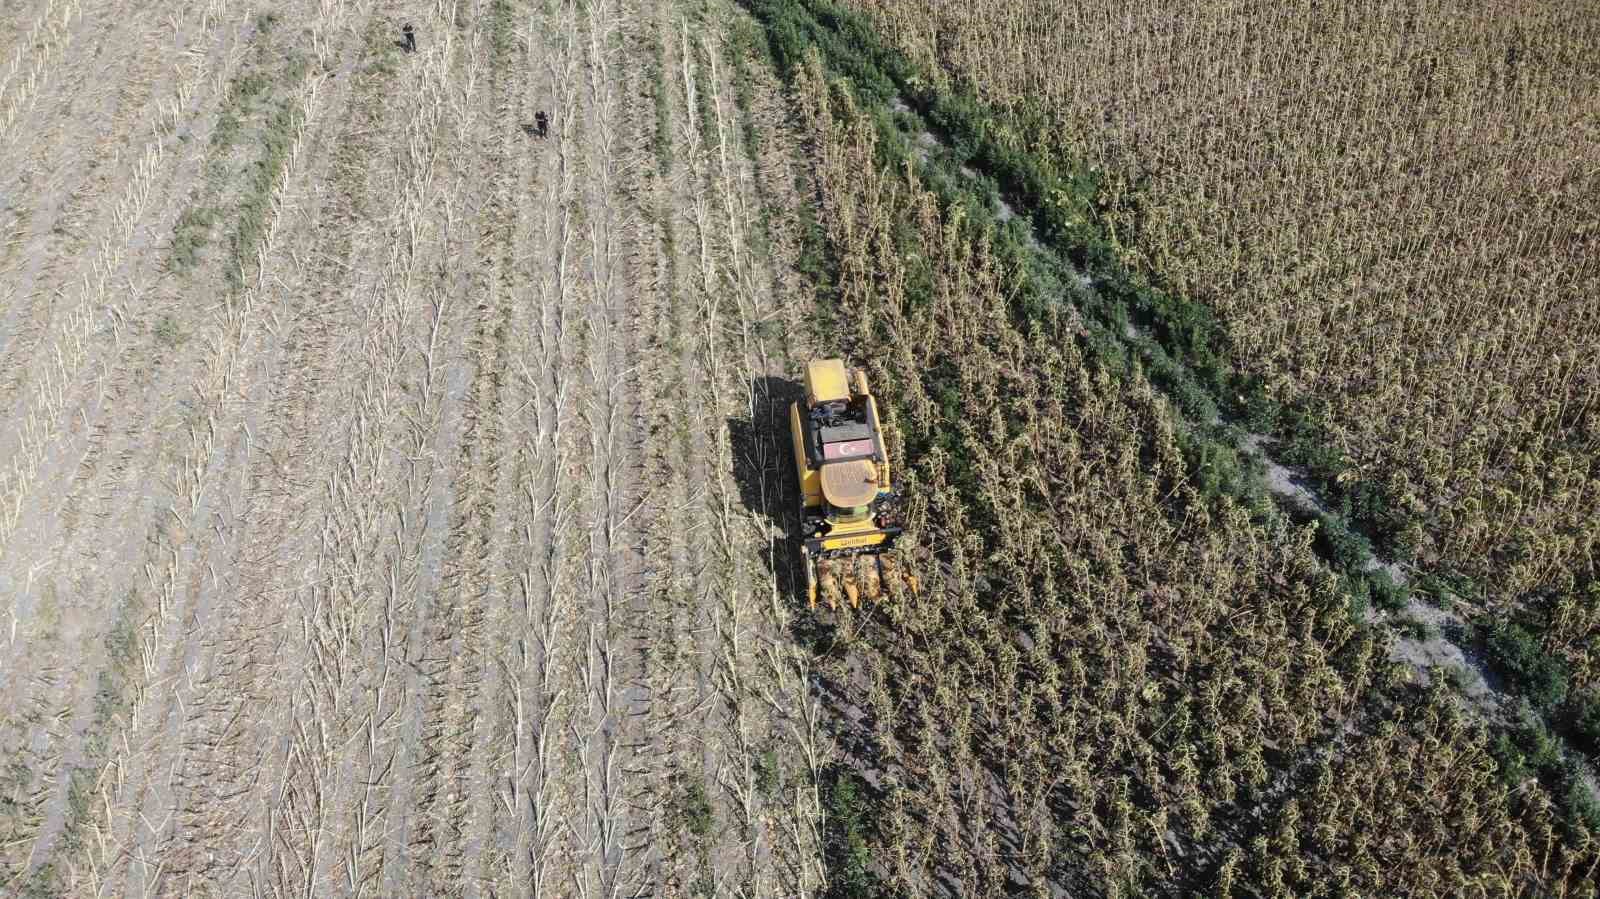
{"x": 369, "y": 523}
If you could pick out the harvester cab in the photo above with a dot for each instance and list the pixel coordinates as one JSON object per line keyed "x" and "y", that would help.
{"x": 848, "y": 507}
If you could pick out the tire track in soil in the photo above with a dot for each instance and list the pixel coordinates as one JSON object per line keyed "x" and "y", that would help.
{"x": 18, "y": 32}
{"x": 399, "y": 409}
{"x": 681, "y": 415}
{"x": 533, "y": 778}
{"x": 759, "y": 672}
{"x": 34, "y": 66}
{"x": 674, "y": 536}
{"x": 710, "y": 816}
{"x": 766, "y": 754}
{"x": 721, "y": 627}
{"x": 122, "y": 219}
{"x": 138, "y": 853}
{"x": 174, "y": 554}
{"x": 676, "y": 471}
{"x": 336, "y": 769}
{"x": 91, "y": 244}
{"x": 438, "y": 441}
{"x": 776, "y": 343}
{"x": 522, "y": 516}
{"x": 91, "y": 110}
{"x": 726, "y": 365}
{"x": 241, "y": 665}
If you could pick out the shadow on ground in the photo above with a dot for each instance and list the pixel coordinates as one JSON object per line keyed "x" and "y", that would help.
{"x": 763, "y": 467}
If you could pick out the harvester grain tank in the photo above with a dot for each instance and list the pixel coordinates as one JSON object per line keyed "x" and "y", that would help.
{"x": 848, "y": 507}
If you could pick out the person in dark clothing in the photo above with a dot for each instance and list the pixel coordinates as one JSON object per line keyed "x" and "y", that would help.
{"x": 542, "y": 123}
{"x": 410, "y": 34}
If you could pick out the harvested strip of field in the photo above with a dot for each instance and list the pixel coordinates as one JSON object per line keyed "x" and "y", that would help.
{"x": 391, "y": 501}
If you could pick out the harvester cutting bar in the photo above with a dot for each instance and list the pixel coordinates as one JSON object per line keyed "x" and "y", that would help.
{"x": 848, "y": 577}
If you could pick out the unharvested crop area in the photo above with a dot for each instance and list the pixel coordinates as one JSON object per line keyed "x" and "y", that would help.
{"x": 1127, "y": 683}
{"x": 1394, "y": 207}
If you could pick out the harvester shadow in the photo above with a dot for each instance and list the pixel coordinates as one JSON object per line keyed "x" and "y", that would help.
{"x": 763, "y": 467}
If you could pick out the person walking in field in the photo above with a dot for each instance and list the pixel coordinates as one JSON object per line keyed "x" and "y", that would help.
{"x": 410, "y": 42}
{"x": 541, "y": 123}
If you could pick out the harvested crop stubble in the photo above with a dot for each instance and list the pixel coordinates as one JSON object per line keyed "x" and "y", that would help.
{"x": 734, "y": 748}
{"x": 328, "y": 521}
{"x": 1395, "y": 207}
{"x": 1135, "y": 688}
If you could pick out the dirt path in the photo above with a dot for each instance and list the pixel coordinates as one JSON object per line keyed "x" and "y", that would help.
{"x": 390, "y": 494}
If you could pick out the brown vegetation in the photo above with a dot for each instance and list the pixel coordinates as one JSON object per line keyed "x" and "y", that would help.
{"x": 1395, "y": 207}
{"x": 1121, "y": 687}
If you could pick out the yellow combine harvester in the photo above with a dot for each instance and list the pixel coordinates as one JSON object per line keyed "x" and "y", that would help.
{"x": 847, "y": 502}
